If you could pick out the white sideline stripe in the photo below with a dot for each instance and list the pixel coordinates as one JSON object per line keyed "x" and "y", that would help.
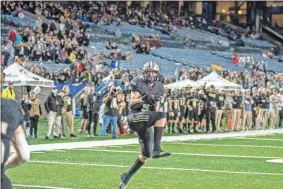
{"x": 185, "y": 154}
{"x": 115, "y": 146}
{"x": 119, "y": 142}
{"x": 275, "y": 161}
{"x": 58, "y": 150}
{"x": 159, "y": 168}
{"x": 263, "y": 139}
{"x": 37, "y": 152}
{"x": 227, "y": 145}
{"x": 36, "y": 186}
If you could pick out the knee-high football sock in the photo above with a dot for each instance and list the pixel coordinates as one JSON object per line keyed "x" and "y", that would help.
{"x": 157, "y": 138}
{"x": 135, "y": 167}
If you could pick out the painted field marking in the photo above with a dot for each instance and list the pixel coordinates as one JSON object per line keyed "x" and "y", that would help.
{"x": 184, "y": 154}
{"x": 160, "y": 168}
{"x": 260, "y": 139}
{"x": 275, "y": 161}
{"x": 36, "y": 186}
{"x": 225, "y": 145}
{"x": 103, "y": 143}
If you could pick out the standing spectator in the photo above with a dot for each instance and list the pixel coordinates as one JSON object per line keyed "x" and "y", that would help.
{"x": 67, "y": 110}
{"x": 247, "y": 115}
{"x": 121, "y": 109}
{"x": 262, "y": 114}
{"x": 274, "y": 108}
{"x": 26, "y": 106}
{"x": 280, "y": 109}
{"x": 229, "y": 108}
{"x": 210, "y": 107}
{"x": 52, "y": 106}
{"x": 219, "y": 110}
{"x": 236, "y": 112}
{"x": 35, "y": 112}
{"x": 93, "y": 110}
{"x": 110, "y": 112}
{"x": 84, "y": 112}
{"x": 9, "y": 92}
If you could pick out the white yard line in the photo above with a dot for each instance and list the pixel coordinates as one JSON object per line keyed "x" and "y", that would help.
{"x": 36, "y": 186}
{"x": 226, "y": 145}
{"x": 161, "y": 168}
{"x": 119, "y": 142}
{"x": 184, "y": 154}
{"x": 261, "y": 139}
{"x": 275, "y": 161}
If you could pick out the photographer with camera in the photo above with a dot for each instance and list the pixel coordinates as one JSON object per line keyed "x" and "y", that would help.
{"x": 110, "y": 112}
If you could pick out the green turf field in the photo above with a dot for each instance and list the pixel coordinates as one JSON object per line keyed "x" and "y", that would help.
{"x": 235, "y": 163}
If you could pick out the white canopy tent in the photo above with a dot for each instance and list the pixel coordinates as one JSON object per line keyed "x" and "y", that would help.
{"x": 219, "y": 82}
{"x": 180, "y": 84}
{"x": 20, "y": 77}
{"x": 24, "y": 79}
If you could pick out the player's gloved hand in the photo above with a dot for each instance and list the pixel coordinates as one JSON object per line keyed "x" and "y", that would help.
{"x": 144, "y": 98}
{"x": 171, "y": 114}
{"x": 178, "y": 114}
{"x": 152, "y": 99}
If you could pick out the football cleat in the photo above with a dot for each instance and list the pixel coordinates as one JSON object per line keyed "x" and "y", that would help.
{"x": 160, "y": 154}
{"x": 123, "y": 178}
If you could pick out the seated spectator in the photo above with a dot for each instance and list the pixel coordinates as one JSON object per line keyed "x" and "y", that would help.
{"x": 147, "y": 48}
{"x": 235, "y": 59}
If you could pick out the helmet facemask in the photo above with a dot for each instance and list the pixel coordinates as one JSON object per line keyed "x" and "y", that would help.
{"x": 150, "y": 76}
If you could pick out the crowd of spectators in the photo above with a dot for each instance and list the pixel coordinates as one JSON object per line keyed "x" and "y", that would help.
{"x": 248, "y": 79}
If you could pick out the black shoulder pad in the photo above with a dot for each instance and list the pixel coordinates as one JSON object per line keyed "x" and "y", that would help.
{"x": 134, "y": 84}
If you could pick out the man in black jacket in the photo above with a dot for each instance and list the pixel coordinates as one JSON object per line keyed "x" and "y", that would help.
{"x": 210, "y": 107}
{"x": 92, "y": 109}
{"x": 53, "y": 106}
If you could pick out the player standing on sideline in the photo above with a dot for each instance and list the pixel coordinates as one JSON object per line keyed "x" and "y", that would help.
{"x": 11, "y": 130}
{"x": 146, "y": 93}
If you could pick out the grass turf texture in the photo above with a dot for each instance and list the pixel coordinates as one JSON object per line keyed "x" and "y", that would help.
{"x": 94, "y": 174}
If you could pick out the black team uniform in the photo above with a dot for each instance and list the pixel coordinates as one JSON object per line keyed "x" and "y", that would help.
{"x": 194, "y": 104}
{"x": 182, "y": 103}
{"x": 11, "y": 118}
{"x": 175, "y": 109}
{"x": 255, "y": 98}
{"x": 202, "y": 102}
{"x": 142, "y": 116}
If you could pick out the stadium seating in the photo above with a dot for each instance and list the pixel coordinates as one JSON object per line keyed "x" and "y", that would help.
{"x": 25, "y": 22}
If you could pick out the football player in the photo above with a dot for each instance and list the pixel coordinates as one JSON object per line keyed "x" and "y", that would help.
{"x": 12, "y": 131}
{"x": 146, "y": 93}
